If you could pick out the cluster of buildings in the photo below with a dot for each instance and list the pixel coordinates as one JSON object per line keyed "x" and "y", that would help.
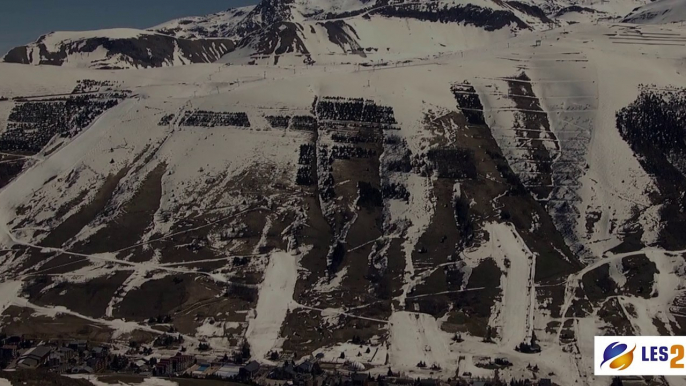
{"x": 75, "y": 357}
{"x": 81, "y": 357}
{"x": 222, "y": 369}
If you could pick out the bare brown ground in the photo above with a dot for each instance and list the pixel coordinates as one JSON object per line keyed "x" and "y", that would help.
{"x": 21, "y": 321}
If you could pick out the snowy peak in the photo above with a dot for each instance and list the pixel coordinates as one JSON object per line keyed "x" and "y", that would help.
{"x": 658, "y": 12}
{"x": 221, "y": 24}
{"x": 586, "y": 11}
{"x": 117, "y": 49}
{"x": 322, "y": 30}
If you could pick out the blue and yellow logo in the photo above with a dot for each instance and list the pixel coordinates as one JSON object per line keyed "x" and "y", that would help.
{"x": 616, "y": 353}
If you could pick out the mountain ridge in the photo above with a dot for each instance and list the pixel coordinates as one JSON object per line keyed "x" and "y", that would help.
{"x": 658, "y": 12}
{"x": 447, "y": 201}
{"x": 118, "y": 49}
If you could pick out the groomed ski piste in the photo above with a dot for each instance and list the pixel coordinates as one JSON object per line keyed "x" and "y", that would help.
{"x": 581, "y": 76}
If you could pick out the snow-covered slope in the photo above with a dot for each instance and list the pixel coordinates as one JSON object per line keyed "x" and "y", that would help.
{"x": 658, "y": 12}
{"x": 449, "y": 192}
{"x": 478, "y": 212}
{"x": 118, "y": 48}
{"x": 587, "y": 11}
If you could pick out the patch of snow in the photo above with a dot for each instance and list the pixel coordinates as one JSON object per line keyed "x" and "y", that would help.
{"x": 274, "y": 302}
{"x": 417, "y": 337}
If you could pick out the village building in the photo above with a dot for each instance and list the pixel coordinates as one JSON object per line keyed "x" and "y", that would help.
{"x": 34, "y": 357}
{"x": 228, "y": 371}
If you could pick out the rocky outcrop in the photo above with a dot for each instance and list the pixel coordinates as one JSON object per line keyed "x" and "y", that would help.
{"x": 112, "y": 52}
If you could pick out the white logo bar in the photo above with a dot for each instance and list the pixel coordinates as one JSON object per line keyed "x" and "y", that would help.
{"x": 639, "y": 355}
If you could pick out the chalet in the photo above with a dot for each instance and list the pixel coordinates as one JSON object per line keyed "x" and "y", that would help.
{"x": 97, "y": 364}
{"x": 181, "y": 362}
{"x": 61, "y": 359}
{"x": 78, "y": 345}
{"x": 34, "y": 357}
{"x": 140, "y": 366}
{"x": 175, "y": 364}
{"x": 100, "y": 352}
{"x": 286, "y": 371}
{"x": 67, "y": 353}
{"x": 162, "y": 367}
{"x": 82, "y": 370}
{"x": 249, "y": 370}
{"x": 306, "y": 367}
{"x": 229, "y": 371}
{"x": 55, "y": 359}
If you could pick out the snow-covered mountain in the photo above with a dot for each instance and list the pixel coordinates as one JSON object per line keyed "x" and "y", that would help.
{"x": 304, "y": 30}
{"x": 118, "y": 48}
{"x": 325, "y": 31}
{"x": 658, "y": 12}
{"x": 440, "y": 189}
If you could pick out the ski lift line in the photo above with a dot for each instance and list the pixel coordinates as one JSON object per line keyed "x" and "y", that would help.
{"x": 514, "y": 109}
{"x": 563, "y": 200}
{"x": 530, "y": 97}
{"x": 648, "y": 39}
{"x": 548, "y": 54}
{"x": 537, "y": 162}
{"x": 649, "y": 44}
{"x": 508, "y": 129}
{"x": 524, "y": 147}
{"x": 554, "y": 65}
{"x": 544, "y": 56}
{"x": 557, "y": 60}
{"x": 557, "y": 111}
{"x": 572, "y": 139}
{"x": 645, "y": 33}
{"x": 529, "y": 140}
{"x": 586, "y": 129}
{"x": 504, "y": 137}
{"x": 552, "y": 186}
{"x": 564, "y": 139}
{"x": 551, "y": 173}
{"x": 524, "y": 162}
{"x": 445, "y": 293}
{"x": 344, "y": 314}
{"x": 539, "y": 81}
{"x": 509, "y": 140}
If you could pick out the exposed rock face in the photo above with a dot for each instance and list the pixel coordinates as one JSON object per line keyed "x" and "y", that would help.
{"x": 658, "y": 12}
{"x": 221, "y": 24}
{"x": 469, "y": 14}
{"x": 103, "y": 52}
